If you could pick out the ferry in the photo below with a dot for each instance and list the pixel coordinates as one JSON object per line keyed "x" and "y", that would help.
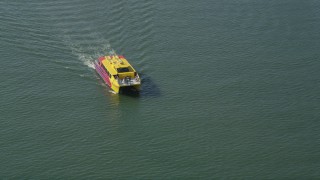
{"x": 117, "y": 73}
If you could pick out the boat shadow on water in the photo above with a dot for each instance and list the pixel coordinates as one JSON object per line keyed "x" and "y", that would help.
{"x": 148, "y": 88}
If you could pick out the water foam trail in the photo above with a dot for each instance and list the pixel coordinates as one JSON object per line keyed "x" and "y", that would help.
{"x": 88, "y": 52}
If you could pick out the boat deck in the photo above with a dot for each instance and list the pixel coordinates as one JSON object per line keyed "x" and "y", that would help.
{"x": 129, "y": 81}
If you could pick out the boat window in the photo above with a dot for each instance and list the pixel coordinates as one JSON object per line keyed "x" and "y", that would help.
{"x": 121, "y": 70}
{"x": 105, "y": 68}
{"x": 107, "y": 71}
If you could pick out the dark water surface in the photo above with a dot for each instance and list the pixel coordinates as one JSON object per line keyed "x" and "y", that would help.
{"x": 230, "y": 90}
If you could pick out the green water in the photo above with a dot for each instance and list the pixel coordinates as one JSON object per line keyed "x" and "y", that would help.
{"x": 230, "y": 90}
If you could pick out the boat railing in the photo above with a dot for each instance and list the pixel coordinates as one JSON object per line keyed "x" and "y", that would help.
{"x": 128, "y": 81}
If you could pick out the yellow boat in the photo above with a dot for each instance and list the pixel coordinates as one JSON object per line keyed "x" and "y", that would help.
{"x": 117, "y": 73}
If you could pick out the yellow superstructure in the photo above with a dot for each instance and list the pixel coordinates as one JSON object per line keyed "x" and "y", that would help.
{"x": 118, "y": 73}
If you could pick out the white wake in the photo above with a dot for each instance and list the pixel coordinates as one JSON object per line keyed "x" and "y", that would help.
{"x": 89, "y": 50}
